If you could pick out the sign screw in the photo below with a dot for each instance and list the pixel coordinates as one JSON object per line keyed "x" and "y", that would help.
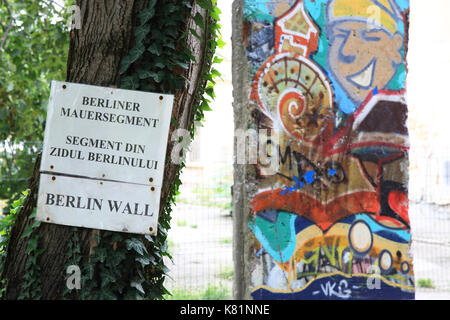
{"x": 152, "y": 188}
{"x": 48, "y": 219}
{"x": 151, "y": 179}
{"x": 53, "y": 178}
{"x": 51, "y": 167}
{"x": 150, "y": 229}
{"x": 161, "y": 98}
{"x": 64, "y": 86}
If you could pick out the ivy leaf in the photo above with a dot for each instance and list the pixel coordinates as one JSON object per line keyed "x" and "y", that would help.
{"x": 136, "y": 245}
{"x": 169, "y": 44}
{"x": 220, "y": 43}
{"x": 210, "y": 92}
{"x": 158, "y": 76}
{"x": 144, "y": 74}
{"x": 149, "y": 238}
{"x": 107, "y": 277}
{"x": 28, "y": 231}
{"x": 182, "y": 64}
{"x": 141, "y": 32}
{"x": 146, "y": 15}
{"x": 199, "y": 20}
{"x": 144, "y": 261}
{"x": 187, "y": 3}
{"x": 136, "y": 52}
{"x": 205, "y": 107}
{"x": 129, "y": 82}
{"x": 154, "y": 49}
{"x": 125, "y": 64}
{"x": 138, "y": 286}
{"x": 195, "y": 34}
{"x": 217, "y": 59}
{"x": 205, "y": 4}
{"x": 107, "y": 295}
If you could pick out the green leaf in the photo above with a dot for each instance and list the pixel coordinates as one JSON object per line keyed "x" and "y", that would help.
{"x": 158, "y": 76}
{"x": 136, "y": 245}
{"x": 198, "y": 19}
{"x": 10, "y": 87}
{"x": 146, "y": 15}
{"x": 217, "y": 59}
{"x": 129, "y": 82}
{"x": 125, "y": 64}
{"x": 205, "y": 107}
{"x": 138, "y": 286}
{"x": 205, "y": 4}
{"x": 210, "y": 92}
{"x": 100, "y": 254}
{"x": 149, "y": 237}
{"x": 144, "y": 74}
{"x": 107, "y": 277}
{"x": 169, "y": 44}
{"x": 136, "y": 52}
{"x": 144, "y": 261}
{"x": 195, "y": 34}
{"x": 182, "y": 64}
{"x": 154, "y": 49}
{"x": 220, "y": 43}
{"x": 28, "y": 231}
{"x": 141, "y": 32}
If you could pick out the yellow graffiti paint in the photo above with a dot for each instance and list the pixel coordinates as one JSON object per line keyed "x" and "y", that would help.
{"x": 364, "y": 9}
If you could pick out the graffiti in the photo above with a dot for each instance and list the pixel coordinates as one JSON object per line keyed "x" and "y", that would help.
{"x": 328, "y": 76}
{"x": 342, "y": 289}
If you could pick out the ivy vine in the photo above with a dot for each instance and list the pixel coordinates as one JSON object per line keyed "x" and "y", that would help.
{"x": 157, "y": 62}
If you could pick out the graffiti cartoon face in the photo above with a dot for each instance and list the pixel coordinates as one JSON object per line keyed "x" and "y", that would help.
{"x": 362, "y": 55}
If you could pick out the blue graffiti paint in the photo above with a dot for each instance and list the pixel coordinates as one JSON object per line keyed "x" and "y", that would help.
{"x": 308, "y": 178}
{"x": 277, "y": 238}
{"x": 338, "y": 287}
{"x": 375, "y": 91}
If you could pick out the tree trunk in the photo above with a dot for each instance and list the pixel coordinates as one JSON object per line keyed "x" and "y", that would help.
{"x": 96, "y": 50}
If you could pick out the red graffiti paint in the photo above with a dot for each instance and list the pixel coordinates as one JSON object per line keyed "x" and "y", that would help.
{"x": 398, "y": 201}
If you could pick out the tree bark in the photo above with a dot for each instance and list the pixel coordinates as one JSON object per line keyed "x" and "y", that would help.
{"x": 96, "y": 50}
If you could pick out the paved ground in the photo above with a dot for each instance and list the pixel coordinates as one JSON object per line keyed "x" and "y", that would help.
{"x": 200, "y": 241}
{"x": 431, "y": 249}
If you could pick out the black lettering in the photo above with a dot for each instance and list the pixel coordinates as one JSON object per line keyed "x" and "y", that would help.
{"x": 98, "y": 203}
{"x": 59, "y": 200}
{"x": 114, "y": 206}
{"x": 50, "y": 199}
{"x": 70, "y": 200}
{"x": 65, "y": 112}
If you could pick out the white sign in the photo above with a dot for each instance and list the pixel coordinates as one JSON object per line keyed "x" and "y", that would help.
{"x": 98, "y": 204}
{"x": 113, "y": 136}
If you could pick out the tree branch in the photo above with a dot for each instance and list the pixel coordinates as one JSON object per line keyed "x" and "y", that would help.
{"x": 8, "y": 28}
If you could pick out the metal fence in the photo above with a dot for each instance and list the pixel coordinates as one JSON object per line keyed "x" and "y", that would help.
{"x": 200, "y": 238}
{"x": 429, "y": 213}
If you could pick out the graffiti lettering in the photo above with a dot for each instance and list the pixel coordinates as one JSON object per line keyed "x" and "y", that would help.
{"x": 342, "y": 292}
